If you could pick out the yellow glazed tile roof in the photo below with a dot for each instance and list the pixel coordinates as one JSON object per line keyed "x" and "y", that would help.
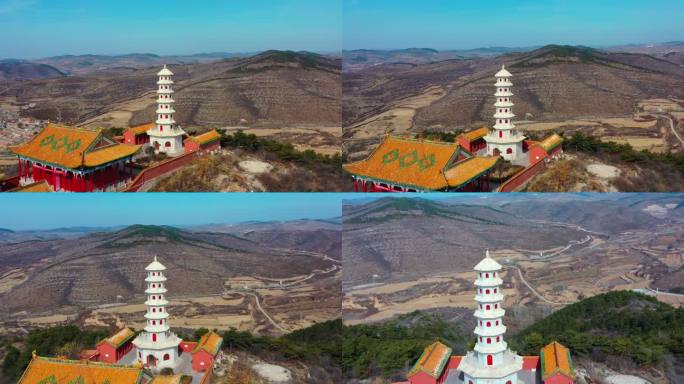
{"x": 39, "y": 186}
{"x": 140, "y": 129}
{"x": 410, "y": 162}
{"x": 70, "y": 147}
{"x": 210, "y": 342}
{"x": 172, "y": 379}
{"x": 468, "y": 169}
{"x": 433, "y": 360}
{"x": 551, "y": 142}
{"x": 58, "y": 371}
{"x": 109, "y": 154}
{"x": 206, "y": 137}
{"x": 476, "y": 134}
{"x": 120, "y": 337}
{"x": 556, "y": 358}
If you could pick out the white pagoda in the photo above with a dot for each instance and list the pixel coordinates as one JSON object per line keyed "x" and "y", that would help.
{"x": 157, "y": 346}
{"x": 491, "y": 362}
{"x": 504, "y": 139}
{"x": 166, "y": 137}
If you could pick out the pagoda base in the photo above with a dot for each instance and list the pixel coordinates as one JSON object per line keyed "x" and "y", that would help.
{"x": 503, "y": 372}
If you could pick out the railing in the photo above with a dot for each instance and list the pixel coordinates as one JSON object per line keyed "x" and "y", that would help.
{"x": 164, "y": 167}
{"x": 519, "y": 179}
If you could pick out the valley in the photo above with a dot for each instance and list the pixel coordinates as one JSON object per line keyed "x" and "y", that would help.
{"x": 288, "y": 96}
{"x": 240, "y": 277}
{"x": 417, "y": 254}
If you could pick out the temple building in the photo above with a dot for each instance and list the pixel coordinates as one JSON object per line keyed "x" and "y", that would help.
{"x": 157, "y": 346}
{"x": 415, "y": 165}
{"x": 62, "y": 371}
{"x": 504, "y": 140}
{"x": 491, "y": 361}
{"x": 75, "y": 160}
{"x": 165, "y": 136}
{"x": 401, "y": 164}
{"x": 115, "y": 347}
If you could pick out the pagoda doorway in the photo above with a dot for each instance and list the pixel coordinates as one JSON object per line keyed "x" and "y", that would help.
{"x": 496, "y": 152}
{"x": 151, "y": 361}
{"x": 156, "y": 145}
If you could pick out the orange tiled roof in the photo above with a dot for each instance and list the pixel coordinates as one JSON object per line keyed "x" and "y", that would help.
{"x": 39, "y": 186}
{"x": 409, "y": 162}
{"x": 476, "y": 134}
{"x": 210, "y": 342}
{"x": 206, "y": 137}
{"x": 140, "y": 129}
{"x": 172, "y": 379}
{"x": 73, "y": 148}
{"x": 555, "y": 358}
{"x": 109, "y": 154}
{"x": 467, "y": 170}
{"x": 120, "y": 337}
{"x": 59, "y": 371}
{"x": 433, "y": 360}
{"x": 550, "y": 142}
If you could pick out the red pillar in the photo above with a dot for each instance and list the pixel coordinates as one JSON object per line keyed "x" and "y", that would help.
{"x": 356, "y": 185}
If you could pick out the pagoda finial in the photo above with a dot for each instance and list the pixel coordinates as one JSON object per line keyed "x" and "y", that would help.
{"x": 487, "y": 252}
{"x": 155, "y": 257}
{"x": 502, "y": 66}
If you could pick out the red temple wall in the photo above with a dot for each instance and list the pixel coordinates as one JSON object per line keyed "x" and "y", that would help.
{"x": 520, "y": 178}
{"x": 422, "y": 378}
{"x": 188, "y": 346}
{"x": 107, "y": 353}
{"x": 201, "y": 360}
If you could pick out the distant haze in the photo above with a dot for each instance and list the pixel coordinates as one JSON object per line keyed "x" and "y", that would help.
{"x": 461, "y": 24}
{"x": 43, "y": 28}
{"x": 37, "y": 211}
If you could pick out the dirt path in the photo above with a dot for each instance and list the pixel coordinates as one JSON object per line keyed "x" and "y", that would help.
{"x": 259, "y": 307}
{"x": 534, "y": 291}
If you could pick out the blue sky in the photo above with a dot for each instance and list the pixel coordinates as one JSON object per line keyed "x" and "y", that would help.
{"x": 22, "y": 211}
{"x": 41, "y": 28}
{"x": 464, "y": 24}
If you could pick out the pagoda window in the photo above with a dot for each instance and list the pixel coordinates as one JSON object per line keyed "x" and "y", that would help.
{"x": 154, "y": 337}
{"x": 500, "y": 134}
{"x": 509, "y": 150}
{"x": 488, "y": 307}
{"x": 154, "y": 322}
{"x": 487, "y": 275}
{"x": 489, "y": 340}
{"x": 490, "y": 360}
{"x": 497, "y": 322}
{"x": 498, "y": 338}
{"x": 480, "y": 338}
{"x": 494, "y": 274}
{"x": 489, "y": 324}
{"x": 496, "y": 306}
{"x": 166, "y": 356}
{"x": 487, "y": 291}
{"x": 167, "y": 144}
{"x": 495, "y": 289}
{"x": 161, "y": 322}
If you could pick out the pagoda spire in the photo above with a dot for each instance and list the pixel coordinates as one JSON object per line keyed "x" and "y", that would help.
{"x": 166, "y": 136}
{"x": 157, "y": 346}
{"x": 491, "y": 361}
{"x": 504, "y": 139}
